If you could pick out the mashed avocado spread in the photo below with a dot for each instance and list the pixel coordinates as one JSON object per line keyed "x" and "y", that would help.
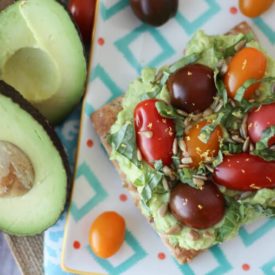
{"x": 241, "y": 207}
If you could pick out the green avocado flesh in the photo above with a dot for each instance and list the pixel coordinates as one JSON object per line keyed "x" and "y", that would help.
{"x": 41, "y": 56}
{"x": 31, "y": 154}
{"x": 238, "y": 211}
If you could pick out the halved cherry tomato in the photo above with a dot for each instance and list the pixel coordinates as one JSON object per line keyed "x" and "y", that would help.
{"x": 83, "y": 12}
{"x": 248, "y": 63}
{"x": 198, "y": 150}
{"x": 245, "y": 172}
{"x": 198, "y": 208}
{"x": 154, "y": 134}
{"x": 107, "y": 234}
{"x": 254, "y": 8}
{"x": 259, "y": 120}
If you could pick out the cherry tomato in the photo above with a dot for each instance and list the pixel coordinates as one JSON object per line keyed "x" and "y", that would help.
{"x": 107, "y": 234}
{"x": 248, "y": 63}
{"x": 192, "y": 88}
{"x": 198, "y": 150}
{"x": 245, "y": 172}
{"x": 83, "y": 12}
{"x": 154, "y": 133}
{"x": 197, "y": 208}
{"x": 154, "y": 12}
{"x": 259, "y": 120}
{"x": 254, "y": 8}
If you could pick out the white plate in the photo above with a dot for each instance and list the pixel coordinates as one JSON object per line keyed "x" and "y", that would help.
{"x": 122, "y": 46}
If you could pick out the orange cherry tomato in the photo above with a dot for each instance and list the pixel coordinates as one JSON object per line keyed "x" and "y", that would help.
{"x": 254, "y": 8}
{"x": 248, "y": 63}
{"x": 198, "y": 150}
{"x": 107, "y": 234}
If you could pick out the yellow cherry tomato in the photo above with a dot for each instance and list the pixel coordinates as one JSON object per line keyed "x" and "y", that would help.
{"x": 198, "y": 150}
{"x": 254, "y": 8}
{"x": 107, "y": 234}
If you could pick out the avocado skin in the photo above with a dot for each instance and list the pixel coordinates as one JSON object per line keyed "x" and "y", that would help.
{"x": 16, "y": 97}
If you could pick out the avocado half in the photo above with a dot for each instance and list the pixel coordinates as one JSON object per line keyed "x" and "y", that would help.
{"x": 41, "y": 56}
{"x": 34, "y": 170}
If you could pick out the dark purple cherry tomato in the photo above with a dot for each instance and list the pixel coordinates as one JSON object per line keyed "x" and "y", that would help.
{"x": 83, "y": 13}
{"x": 197, "y": 208}
{"x": 154, "y": 12}
{"x": 154, "y": 134}
{"x": 245, "y": 172}
{"x": 259, "y": 120}
{"x": 192, "y": 88}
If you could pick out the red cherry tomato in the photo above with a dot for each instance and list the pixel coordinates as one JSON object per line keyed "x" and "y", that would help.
{"x": 107, "y": 234}
{"x": 154, "y": 134}
{"x": 259, "y": 120}
{"x": 245, "y": 172}
{"x": 254, "y": 8}
{"x": 83, "y": 13}
{"x": 248, "y": 63}
{"x": 198, "y": 150}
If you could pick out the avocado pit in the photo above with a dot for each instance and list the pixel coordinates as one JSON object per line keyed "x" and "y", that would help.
{"x": 16, "y": 171}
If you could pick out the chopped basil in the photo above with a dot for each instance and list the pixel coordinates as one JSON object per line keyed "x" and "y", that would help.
{"x": 169, "y": 111}
{"x": 186, "y": 176}
{"x": 153, "y": 183}
{"x": 262, "y": 148}
{"x": 241, "y": 91}
{"x": 266, "y": 136}
{"x": 232, "y": 148}
{"x": 158, "y": 165}
{"x": 222, "y": 93}
{"x": 231, "y": 50}
{"x": 166, "y": 110}
{"x": 124, "y": 142}
{"x": 207, "y": 130}
{"x": 189, "y": 59}
{"x": 218, "y": 160}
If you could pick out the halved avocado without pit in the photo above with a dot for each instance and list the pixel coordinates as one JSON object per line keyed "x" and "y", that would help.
{"x": 34, "y": 170}
{"x": 41, "y": 56}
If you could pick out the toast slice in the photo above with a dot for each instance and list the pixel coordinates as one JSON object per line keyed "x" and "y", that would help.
{"x": 105, "y": 117}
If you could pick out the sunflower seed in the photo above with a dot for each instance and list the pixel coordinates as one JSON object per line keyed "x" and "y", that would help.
{"x": 175, "y": 146}
{"x": 251, "y": 147}
{"x": 218, "y": 107}
{"x": 187, "y": 121}
{"x": 186, "y": 160}
{"x": 207, "y": 112}
{"x": 165, "y": 184}
{"x": 147, "y": 134}
{"x": 215, "y": 103}
{"x": 200, "y": 177}
{"x": 245, "y": 195}
{"x": 232, "y": 102}
{"x": 182, "y": 145}
{"x": 139, "y": 156}
{"x": 237, "y": 139}
{"x": 246, "y": 145}
{"x": 184, "y": 166}
{"x": 167, "y": 171}
{"x": 182, "y": 113}
{"x": 209, "y": 168}
{"x": 174, "y": 229}
{"x": 272, "y": 148}
{"x": 239, "y": 45}
{"x": 163, "y": 210}
{"x": 195, "y": 117}
{"x": 198, "y": 182}
{"x": 243, "y": 128}
{"x": 187, "y": 129}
